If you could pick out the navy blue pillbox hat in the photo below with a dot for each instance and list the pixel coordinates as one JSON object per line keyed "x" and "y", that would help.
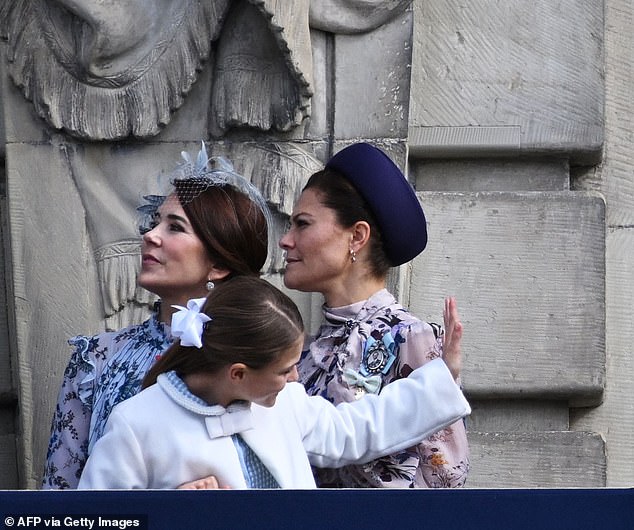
{"x": 390, "y": 197}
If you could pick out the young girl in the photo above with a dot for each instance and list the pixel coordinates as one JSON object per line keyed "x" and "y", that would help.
{"x": 218, "y": 404}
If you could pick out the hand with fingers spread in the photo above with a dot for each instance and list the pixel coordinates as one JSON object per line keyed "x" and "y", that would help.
{"x": 452, "y": 338}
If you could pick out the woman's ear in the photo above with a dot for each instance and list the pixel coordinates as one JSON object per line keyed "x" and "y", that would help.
{"x": 218, "y": 273}
{"x": 360, "y": 235}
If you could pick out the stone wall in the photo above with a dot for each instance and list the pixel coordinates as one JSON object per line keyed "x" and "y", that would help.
{"x": 613, "y": 177}
{"x": 507, "y": 111}
{"x": 516, "y": 131}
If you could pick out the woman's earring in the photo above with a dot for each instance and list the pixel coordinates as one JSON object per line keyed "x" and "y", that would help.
{"x": 210, "y": 285}
{"x": 353, "y": 256}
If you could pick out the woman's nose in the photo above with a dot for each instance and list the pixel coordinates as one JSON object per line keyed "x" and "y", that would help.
{"x": 285, "y": 241}
{"x": 151, "y": 236}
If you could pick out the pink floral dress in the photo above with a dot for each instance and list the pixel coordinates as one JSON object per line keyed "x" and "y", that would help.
{"x": 361, "y": 348}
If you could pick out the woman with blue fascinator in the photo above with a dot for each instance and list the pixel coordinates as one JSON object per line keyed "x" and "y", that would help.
{"x": 354, "y": 220}
{"x": 213, "y": 225}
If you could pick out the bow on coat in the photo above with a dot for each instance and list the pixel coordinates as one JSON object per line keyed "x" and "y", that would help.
{"x": 371, "y": 383}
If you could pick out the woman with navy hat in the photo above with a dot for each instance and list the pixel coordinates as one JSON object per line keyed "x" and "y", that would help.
{"x": 354, "y": 220}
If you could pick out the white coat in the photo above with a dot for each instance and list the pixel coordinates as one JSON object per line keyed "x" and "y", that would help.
{"x": 161, "y": 439}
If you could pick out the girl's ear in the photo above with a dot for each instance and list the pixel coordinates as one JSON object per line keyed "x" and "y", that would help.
{"x": 237, "y": 372}
{"x": 360, "y": 235}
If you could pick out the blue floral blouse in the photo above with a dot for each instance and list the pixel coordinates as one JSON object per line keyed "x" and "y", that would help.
{"x": 359, "y": 349}
{"x": 103, "y": 370}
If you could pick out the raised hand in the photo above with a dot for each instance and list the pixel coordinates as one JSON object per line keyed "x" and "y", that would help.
{"x": 452, "y": 338}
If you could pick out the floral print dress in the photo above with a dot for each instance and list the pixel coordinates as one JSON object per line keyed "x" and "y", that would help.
{"x": 103, "y": 370}
{"x": 361, "y": 348}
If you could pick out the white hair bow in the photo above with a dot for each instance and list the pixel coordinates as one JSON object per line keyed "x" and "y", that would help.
{"x": 188, "y": 322}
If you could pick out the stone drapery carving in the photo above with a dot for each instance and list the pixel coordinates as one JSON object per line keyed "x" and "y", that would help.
{"x": 71, "y": 196}
{"x": 107, "y": 71}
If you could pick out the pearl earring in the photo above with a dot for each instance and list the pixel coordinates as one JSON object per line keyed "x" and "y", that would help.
{"x": 353, "y": 256}
{"x": 210, "y": 285}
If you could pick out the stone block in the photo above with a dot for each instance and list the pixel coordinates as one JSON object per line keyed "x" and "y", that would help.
{"x": 373, "y": 101}
{"x": 537, "y": 460}
{"x": 3, "y": 135}
{"x": 6, "y": 384}
{"x": 497, "y": 174}
{"x": 614, "y": 176}
{"x": 320, "y": 118}
{"x": 8, "y": 466}
{"x": 615, "y": 417}
{"x": 528, "y": 271}
{"x": 518, "y": 415}
{"x": 395, "y": 149}
{"x": 507, "y": 77}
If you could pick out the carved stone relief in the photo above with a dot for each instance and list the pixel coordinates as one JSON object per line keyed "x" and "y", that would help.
{"x": 100, "y": 96}
{"x": 106, "y": 71}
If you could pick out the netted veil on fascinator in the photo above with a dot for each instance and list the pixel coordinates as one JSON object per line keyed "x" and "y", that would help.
{"x": 192, "y": 177}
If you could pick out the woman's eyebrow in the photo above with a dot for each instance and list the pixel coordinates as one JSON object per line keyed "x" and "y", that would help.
{"x": 299, "y": 214}
{"x": 175, "y": 217}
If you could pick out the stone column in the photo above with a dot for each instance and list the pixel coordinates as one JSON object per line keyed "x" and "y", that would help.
{"x": 507, "y": 109}
{"x": 614, "y": 179}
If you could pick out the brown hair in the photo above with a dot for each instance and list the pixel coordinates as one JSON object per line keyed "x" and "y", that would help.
{"x": 252, "y": 323}
{"x": 338, "y": 194}
{"x": 232, "y": 228}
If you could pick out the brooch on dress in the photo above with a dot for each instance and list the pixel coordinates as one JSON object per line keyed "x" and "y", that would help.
{"x": 378, "y": 356}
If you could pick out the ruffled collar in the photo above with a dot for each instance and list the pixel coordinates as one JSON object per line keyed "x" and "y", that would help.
{"x": 220, "y": 421}
{"x": 159, "y": 328}
{"x": 353, "y": 314}
{"x": 348, "y": 337}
